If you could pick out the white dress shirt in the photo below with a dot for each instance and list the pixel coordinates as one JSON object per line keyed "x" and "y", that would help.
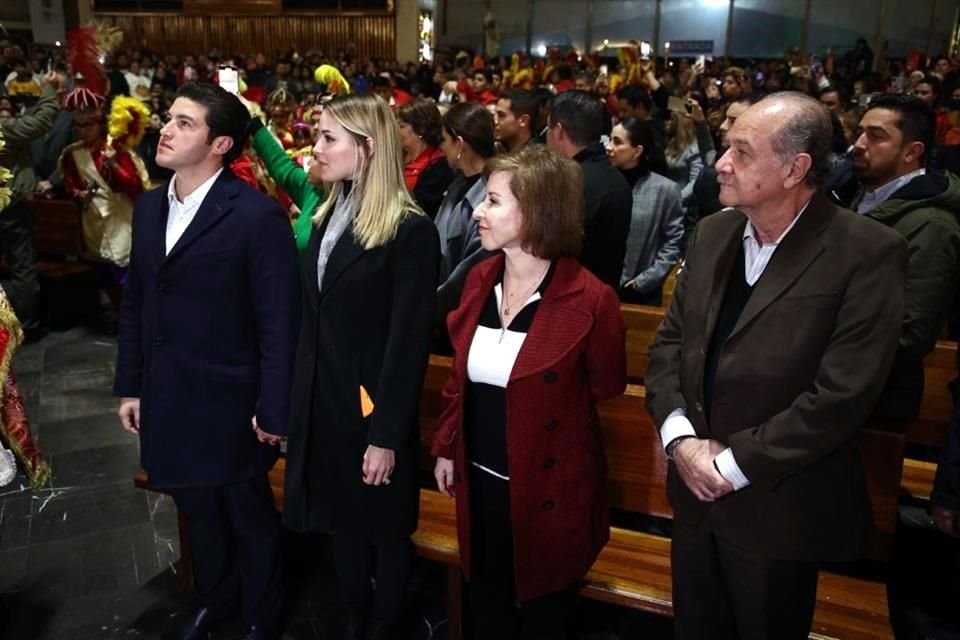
{"x": 756, "y": 258}
{"x": 181, "y": 214}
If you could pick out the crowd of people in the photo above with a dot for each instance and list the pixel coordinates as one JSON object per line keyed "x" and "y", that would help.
{"x": 687, "y": 105}
{"x": 349, "y": 217}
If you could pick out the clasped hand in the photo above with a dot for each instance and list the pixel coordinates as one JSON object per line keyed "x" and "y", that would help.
{"x": 693, "y": 458}
{"x": 263, "y": 436}
{"x": 378, "y": 464}
{"x": 443, "y": 472}
{"x": 946, "y": 520}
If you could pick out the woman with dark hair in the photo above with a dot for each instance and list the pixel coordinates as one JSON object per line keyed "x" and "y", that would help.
{"x": 538, "y": 340}
{"x": 425, "y": 172}
{"x": 654, "y": 243}
{"x": 468, "y": 141}
{"x": 929, "y": 90}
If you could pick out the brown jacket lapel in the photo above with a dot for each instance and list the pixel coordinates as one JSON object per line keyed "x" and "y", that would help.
{"x": 797, "y": 250}
{"x": 722, "y": 251}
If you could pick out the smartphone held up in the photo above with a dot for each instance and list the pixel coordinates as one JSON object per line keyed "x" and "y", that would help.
{"x": 229, "y": 79}
{"x": 678, "y": 105}
{"x": 646, "y": 51}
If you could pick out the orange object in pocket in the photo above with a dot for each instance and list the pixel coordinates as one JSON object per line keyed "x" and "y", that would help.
{"x": 366, "y": 403}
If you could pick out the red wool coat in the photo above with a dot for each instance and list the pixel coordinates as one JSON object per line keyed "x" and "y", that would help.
{"x": 573, "y": 356}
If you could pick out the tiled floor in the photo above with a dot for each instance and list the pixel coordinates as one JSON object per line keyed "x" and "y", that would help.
{"x": 93, "y": 557}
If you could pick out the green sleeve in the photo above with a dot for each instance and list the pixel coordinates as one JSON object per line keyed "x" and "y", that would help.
{"x": 932, "y": 274}
{"x": 285, "y": 172}
{"x": 302, "y": 228}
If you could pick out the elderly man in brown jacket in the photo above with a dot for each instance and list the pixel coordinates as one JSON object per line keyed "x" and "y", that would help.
{"x": 771, "y": 356}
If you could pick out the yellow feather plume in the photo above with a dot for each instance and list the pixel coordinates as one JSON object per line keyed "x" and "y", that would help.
{"x": 109, "y": 37}
{"x": 127, "y": 121}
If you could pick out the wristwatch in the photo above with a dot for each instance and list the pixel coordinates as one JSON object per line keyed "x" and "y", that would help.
{"x": 673, "y": 445}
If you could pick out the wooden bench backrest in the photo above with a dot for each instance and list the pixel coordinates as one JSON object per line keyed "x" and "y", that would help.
{"x": 57, "y": 227}
{"x": 939, "y": 368}
{"x": 930, "y": 427}
{"x": 637, "y": 465}
{"x": 642, "y": 324}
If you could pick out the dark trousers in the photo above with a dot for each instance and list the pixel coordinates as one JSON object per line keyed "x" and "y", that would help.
{"x": 491, "y": 593}
{"x": 16, "y": 246}
{"x": 354, "y": 557}
{"x": 725, "y": 592}
{"x": 234, "y": 534}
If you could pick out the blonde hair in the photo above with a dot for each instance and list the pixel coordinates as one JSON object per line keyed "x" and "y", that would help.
{"x": 684, "y": 135}
{"x": 379, "y": 193}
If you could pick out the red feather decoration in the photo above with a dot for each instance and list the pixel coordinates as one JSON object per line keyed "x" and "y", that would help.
{"x": 83, "y": 57}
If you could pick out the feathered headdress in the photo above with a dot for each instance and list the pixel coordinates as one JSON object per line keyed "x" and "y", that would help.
{"x": 523, "y": 79}
{"x": 83, "y": 99}
{"x": 127, "y": 122}
{"x": 629, "y": 58}
{"x": 281, "y": 98}
{"x": 83, "y": 56}
{"x": 5, "y": 174}
{"x": 616, "y": 81}
{"x": 108, "y": 37}
{"x": 331, "y": 78}
{"x": 554, "y": 59}
{"x": 538, "y": 69}
{"x": 592, "y": 61}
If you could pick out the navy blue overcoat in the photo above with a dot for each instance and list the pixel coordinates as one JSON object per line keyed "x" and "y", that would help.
{"x": 208, "y": 334}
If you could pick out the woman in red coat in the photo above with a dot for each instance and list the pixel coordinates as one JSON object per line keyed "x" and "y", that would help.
{"x": 538, "y": 341}
{"x": 425, "y": 169}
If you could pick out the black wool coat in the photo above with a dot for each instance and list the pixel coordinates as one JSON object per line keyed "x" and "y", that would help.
{"x": 369, "y": 326}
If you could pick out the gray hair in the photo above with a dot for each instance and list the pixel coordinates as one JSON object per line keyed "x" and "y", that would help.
{"x": 808, "y": 130}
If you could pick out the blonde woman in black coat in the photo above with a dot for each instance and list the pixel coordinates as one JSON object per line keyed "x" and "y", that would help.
{"x": 369, "y": 289}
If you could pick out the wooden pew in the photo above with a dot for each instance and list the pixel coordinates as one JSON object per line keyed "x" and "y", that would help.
{"x": 58, "y": 238}
{"x": 939, "y": 367}
{"x": 67, "y": 281}
{"x": 634, "y": 569}
{"x": 917, "y": 480}
{"x": 670, "y": 284}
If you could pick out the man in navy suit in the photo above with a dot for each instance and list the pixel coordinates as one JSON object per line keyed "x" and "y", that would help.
{"x": 208, "y": 331}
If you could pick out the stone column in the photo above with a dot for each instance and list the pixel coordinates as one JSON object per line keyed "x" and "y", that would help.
{"x": 408, "y": 39}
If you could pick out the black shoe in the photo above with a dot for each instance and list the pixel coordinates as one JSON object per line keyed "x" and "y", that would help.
{"x": 197, "y": 627}
{"x": 380, "y": 630}
{"x": 34, "y": 333}
{"x": 354, "y": 628}
{"x": 261, "y": 633}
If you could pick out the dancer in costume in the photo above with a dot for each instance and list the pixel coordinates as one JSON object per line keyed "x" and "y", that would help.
{"x": 17, "y": 444}
{"x": 16, "y": 441}
{"x": 105, "y": 175}
{"x": 302, "y": 150}
{"x": 280, "y": 107}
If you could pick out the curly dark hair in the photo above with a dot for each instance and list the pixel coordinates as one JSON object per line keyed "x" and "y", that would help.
{"x": 423, "y": 116}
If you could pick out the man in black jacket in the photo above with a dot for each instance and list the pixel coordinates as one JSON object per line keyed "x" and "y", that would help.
{"x": 574, "y": 126}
